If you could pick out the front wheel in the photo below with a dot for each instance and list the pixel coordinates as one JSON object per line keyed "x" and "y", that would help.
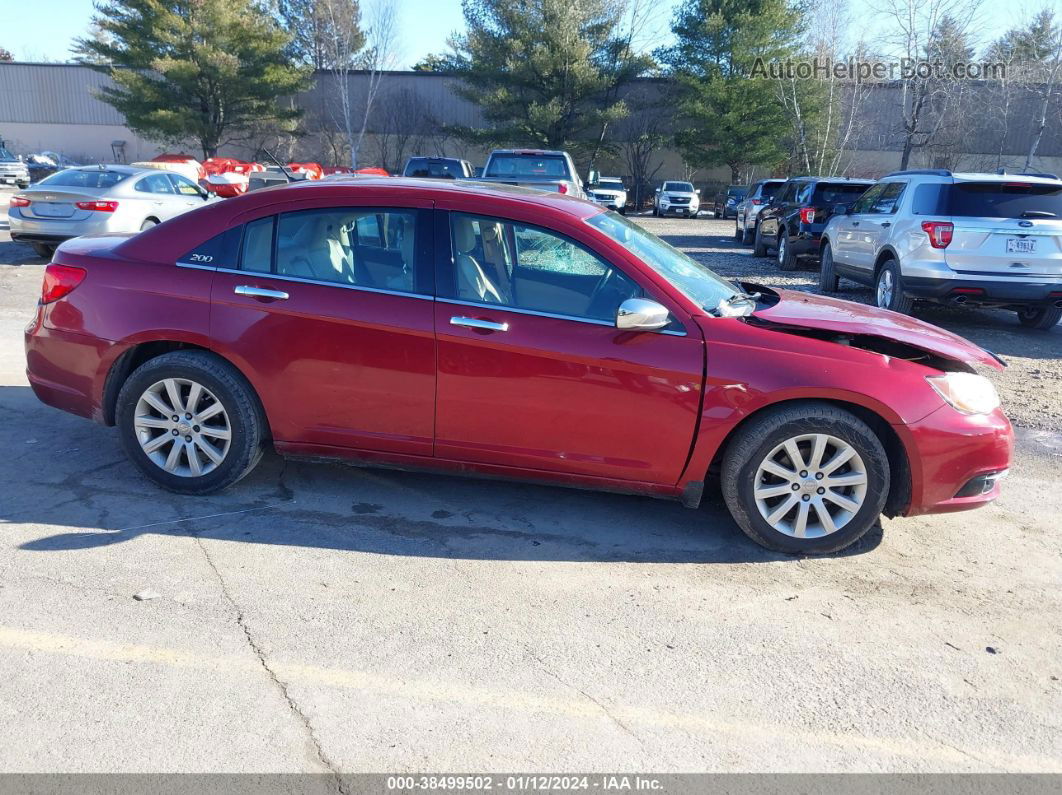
{"x": 807, "y": 479}
{"x": 828, "y": 279}
{"x": 190, "y": 422}
{"x": 888, "y": 290}
{"x": 1043, "y": 318}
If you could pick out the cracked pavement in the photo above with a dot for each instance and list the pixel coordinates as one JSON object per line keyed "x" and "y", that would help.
{"x": 321, "y": 618}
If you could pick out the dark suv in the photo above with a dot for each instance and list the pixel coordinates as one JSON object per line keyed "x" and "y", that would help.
{"x": 792, "y": 223}
{"x": 438, "y": 168}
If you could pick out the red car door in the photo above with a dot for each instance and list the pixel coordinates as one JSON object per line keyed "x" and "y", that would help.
{"x": 328, "y": 311}
{"x": 533, "y": 373}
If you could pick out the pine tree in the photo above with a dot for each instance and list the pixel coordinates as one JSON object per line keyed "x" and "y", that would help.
{"x": 192, "y": 70}
{"x": 730, "y": 117}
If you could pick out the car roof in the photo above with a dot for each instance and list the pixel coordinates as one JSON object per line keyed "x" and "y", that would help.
{"x": 112, "y": 167}
{"x": 527, "y": 152}
{"x": 211, "y": 219}
{"x": 853, "y": 180}
{"x": 969, "y": 176}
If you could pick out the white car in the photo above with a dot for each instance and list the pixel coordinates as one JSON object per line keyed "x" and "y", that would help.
{"x": 678, "y": 198}
{"x": 610, "y": 192}
{"x": 100, "y": 199}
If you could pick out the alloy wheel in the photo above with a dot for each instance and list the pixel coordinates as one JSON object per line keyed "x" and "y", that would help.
{"x": 885, "y": 289}
{"x": 182, "y": 427}
{"x": 810, "y": 486}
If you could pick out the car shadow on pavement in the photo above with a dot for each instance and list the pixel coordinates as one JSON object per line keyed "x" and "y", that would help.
{"x": 74, "y": 477}
{"x": 12, "y": 253}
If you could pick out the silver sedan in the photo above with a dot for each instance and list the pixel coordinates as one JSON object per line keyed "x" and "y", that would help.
{"x": 102, "y": 199}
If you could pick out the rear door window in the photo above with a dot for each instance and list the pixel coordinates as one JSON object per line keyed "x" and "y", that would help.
{"x": 830, "y": 193}
{"x": 256, "y": 253}
{"x": 362, "y": 247}
{"x": 1004, "y": 200}
{"x": 156, "y": 183}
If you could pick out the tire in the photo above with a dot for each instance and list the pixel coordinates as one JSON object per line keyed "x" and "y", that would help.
{"x": 759, "y": 248}
{"x": 762, "y": 442}
{"x": 656, "y": 213}
{"x": 1043, "y": 318}
{"x": 787, "y": 260}
{"x": 240, "y": 415}
{"x": 746, "y": 236}
{"x": 148, "y": 223}
{"x": 891, "y": 297}
{"x": 43, "y": 250}
{"x": 737, "y": 231}
{"x": 829, "y": 281}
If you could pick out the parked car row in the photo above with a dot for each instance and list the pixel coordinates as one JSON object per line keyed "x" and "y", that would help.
{"x": 992, "y": 240}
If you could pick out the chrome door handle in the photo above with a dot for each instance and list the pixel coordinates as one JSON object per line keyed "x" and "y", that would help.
{"x": 484, "y": 325}
{"x": 258, "y": 292}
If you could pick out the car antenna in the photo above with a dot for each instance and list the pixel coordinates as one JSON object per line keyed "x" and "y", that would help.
{"x": 290, "y": 177}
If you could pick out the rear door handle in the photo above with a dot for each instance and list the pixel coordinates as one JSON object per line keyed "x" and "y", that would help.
{"x": 886, "y": 224}
{"x": 483, "y": 325}
{"x": 259, "y": 292}
{"x": 855, "y": 223}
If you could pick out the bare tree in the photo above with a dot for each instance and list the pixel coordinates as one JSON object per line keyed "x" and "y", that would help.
{"x": 380, "y": 56}
{"x": 1048, "y": 86}
{"x": 913, "y": 33}
{"x": 640, "y": 136}
{"x": 404, "y": 127}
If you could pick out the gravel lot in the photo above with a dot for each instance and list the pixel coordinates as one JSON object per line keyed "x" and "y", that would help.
{"x": 323, "y": 618}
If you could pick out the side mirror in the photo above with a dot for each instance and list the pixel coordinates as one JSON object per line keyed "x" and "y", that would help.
{"x": 641, "y": 314}
{"x": 841, "y": 209}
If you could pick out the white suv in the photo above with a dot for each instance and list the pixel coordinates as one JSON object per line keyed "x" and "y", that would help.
{"x": 980, "y": 239}
{"x": 679, "y": 198}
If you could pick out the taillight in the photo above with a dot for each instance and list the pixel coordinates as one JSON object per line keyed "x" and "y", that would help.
{"x": 98, "y": 206}
{"x": 807, "y": 215}
{"x": 562, "y": 188}
{"x": 757, "y": 202}
{"x": 59, "y": 281}
{"x": 939, "y": 232}
{"x": 18, "y": 201}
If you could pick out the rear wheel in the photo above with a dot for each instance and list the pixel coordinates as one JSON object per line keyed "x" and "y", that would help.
{"x": 1043, "y": 317}
{"x": 805, "y": 479}
{"x": 43, "y": 250}
{"x": 190, "y": 422}
{"x": 787, "y": 260}
{"x": 888, "y": 290}
{"x": 828, "y": 279}
{"x": 738, "y": 234}
{"x": 746, "y": 235}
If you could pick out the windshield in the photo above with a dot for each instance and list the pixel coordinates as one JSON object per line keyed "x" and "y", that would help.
{"x": 736, "y": 192}
{"x": 527, "y": 166}
{"x": 612, "y": 184}
{"x": 679, "y": 187}
{"x": 696, "y": 282}
{"x": 73, "y": 178}
{"x": 6, "y": 154}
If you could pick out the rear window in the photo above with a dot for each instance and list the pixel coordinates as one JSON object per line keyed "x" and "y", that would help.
{"x": 516, "y": 166}
{"x": 74, "y": 178}
{"x": 770, "y": 189}
{"x": 737, "y": 192}
{"x": 439, "y": 169}
{"x": 1002, "y": 199}
{"x": 840, "y": 192}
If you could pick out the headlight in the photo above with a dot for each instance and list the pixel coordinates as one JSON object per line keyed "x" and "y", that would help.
{"x": 966, "y": 392}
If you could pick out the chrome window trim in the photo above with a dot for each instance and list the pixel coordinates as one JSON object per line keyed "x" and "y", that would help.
{"x": 297, "y": 280}
{"x": 553, "y": 315}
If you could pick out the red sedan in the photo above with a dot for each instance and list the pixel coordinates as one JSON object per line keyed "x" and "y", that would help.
{"x": 513, "y": 333}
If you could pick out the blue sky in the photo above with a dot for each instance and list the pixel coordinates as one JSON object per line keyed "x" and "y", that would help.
{"x": 43, "y": 29}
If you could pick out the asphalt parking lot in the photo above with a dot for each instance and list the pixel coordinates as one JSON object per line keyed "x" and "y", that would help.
{"x": 325, "y": 618}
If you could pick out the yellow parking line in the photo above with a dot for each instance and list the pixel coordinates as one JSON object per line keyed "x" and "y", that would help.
{"x": 926, "y": 750}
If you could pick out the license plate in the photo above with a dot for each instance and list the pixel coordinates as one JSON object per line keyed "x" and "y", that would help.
{"x": 1017, "y": 245}
{"x": 9, "y": 180}
{"x": 50, "y": 210}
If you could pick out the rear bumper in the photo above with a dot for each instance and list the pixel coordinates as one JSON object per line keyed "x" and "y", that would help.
{"x": 64, "y": 368}
{"x": 806, "y": 244}
{"x": 947, "y": 450}
{"x": 56, "y": 230}
{"x": 991, "y": 291}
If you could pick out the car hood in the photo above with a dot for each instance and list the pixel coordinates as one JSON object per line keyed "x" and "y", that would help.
{"x": 804, "y": 310}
